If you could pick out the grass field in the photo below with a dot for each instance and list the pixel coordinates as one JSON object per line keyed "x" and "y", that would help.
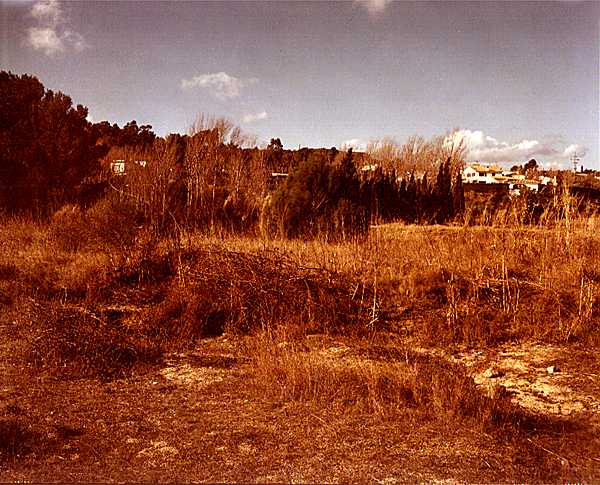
{"x": 417, "y": 353}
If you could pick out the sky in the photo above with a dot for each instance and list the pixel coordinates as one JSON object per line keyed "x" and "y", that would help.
{"x": 519, "y": 80}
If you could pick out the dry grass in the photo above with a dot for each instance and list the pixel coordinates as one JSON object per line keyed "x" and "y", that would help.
{"x": 483, "y": 285}
{"x": 389, "y": 382}
{"x": 467, "y": 285}
{"x": 450, "y": 285}
{"x": 90, "y": 313}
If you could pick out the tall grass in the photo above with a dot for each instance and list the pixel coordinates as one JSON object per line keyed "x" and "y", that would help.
{"x": 380, "y": 381}
{"x": 467, "y": 285}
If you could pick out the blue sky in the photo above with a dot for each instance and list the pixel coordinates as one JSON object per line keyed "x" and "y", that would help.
{"x": 520, "y": 79}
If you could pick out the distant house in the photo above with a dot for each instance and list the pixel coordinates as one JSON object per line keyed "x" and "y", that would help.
{"x": 119, "y": 167}
{"x": 516, "y": 185}
{"x": 369, "y": 168}
{"x": 276, "y": 179}
{"x": 477, "y": 173}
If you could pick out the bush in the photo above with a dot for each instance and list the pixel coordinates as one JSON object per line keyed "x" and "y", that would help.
{"x": 75, "y": 341}
{"x": 113, "y": 222}
{"x": 109, "y": 223}
{"x": 68, "y": 228}
{"x": 16, "y": 437}
{"x": 219, "y": 290}
{"x": 319, "y": 199}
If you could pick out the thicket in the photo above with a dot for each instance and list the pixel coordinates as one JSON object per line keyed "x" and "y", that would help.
{"x": 392, "y": 198}
{"x": 216, "y": 180}
{"x": 319, "y": 198}
{"x": 209, "y": 181}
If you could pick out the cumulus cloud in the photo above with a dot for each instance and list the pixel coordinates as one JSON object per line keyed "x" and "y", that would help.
{"x": 374, "y": 7}
{"x": 47, "y": 12}
{"x": 45, "y": 39}
{"x": 252, "y": 117}
{"x": 220, "y": 84}
{"x": 51, "y": 34}
{"x": 485, "y": 148}
{"x": 356, "y": 144}
{"x": 575, "y": 149}
{"x": 75, "y": 40}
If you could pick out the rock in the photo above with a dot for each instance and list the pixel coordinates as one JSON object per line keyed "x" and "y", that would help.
{"x": 159, "y": 449}
{"x": 493, "y": 373}
{"x": 552, "y": 369}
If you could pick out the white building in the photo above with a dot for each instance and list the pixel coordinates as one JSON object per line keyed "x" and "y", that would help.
{"x": 477, "y": 173}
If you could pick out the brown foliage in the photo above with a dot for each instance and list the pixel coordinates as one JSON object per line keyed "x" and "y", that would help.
{"x": 221, "y": 290}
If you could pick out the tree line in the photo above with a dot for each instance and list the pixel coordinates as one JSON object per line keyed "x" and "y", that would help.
{"x": 332, "y": 197}
{"x": 213, "y": 177}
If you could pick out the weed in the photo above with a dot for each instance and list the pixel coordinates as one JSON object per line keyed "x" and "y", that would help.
{"x": 383, "y": 381}
{"x": 75, "y": 341}
{"x": 15, "y": 437}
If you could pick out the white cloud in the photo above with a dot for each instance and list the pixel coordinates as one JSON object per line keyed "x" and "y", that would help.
{"x": 220, "y": 84}
{"x": 374, "y": 7}
{"x": 75, "y": 40}
{"x": 45, "y": 39}
{"x": 356, "y": 144}
{"x": 51, "y": 35}
{"x": 47, "y": 13}
{"x": 485, "y": 148}
{"x": 575, "y": 149}
{"x": 252, "y": 117}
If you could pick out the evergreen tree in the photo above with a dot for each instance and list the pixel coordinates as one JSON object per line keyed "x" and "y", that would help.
{"x": 458, "y": 196}
{"x": 443, "y": 193}
{"x": 47, "y": 146}
{"x": 411, "y": 199}
{"x": 319, "y": 198}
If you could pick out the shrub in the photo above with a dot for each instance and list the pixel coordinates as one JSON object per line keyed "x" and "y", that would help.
{"x": 68, "y": 228}
{"x": 15, "y": 437}
{"x": 114, "y": 222}
{"x": 219, "y": 290}
{"x": 75, "y": 341}
{"x": 110, "y": 223}
{"x": 319, "y": 199}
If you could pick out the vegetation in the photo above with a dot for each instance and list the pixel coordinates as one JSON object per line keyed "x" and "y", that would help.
{"x": 193, "y": 307}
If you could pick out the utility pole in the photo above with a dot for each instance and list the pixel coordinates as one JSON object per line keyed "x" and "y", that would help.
{"x": 575, "y": 159}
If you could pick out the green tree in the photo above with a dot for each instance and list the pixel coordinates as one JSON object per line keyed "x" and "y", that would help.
{"x": 320, "y": 198}
{"x": 531, "y": 165}
{"x": 47, "y": 146}
{"x": 443, "y": 193}
{"x": 458, "y": 196}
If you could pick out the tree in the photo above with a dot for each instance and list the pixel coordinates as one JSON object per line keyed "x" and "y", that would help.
{"x": 131, "y": 135}
{"x": 458, "y": 196}
{"x": 48, "y": 147}
{"x": 275, "y": 145}
{"x": 274, "y": 156}
{"x": 320, "y": 198}
{"x": 443, "y": 193}
{"x": 531, "y": 165}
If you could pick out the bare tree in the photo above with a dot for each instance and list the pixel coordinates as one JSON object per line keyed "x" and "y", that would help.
{"x": 418, "y": 154}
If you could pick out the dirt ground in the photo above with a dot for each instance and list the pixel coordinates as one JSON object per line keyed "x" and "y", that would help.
{"x": 197, "y": 417}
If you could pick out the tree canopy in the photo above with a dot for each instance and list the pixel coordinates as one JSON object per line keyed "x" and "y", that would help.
{"x": 47, "y": 146}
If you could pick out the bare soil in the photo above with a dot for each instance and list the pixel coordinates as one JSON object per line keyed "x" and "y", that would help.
{"x": 198, "y": 417}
